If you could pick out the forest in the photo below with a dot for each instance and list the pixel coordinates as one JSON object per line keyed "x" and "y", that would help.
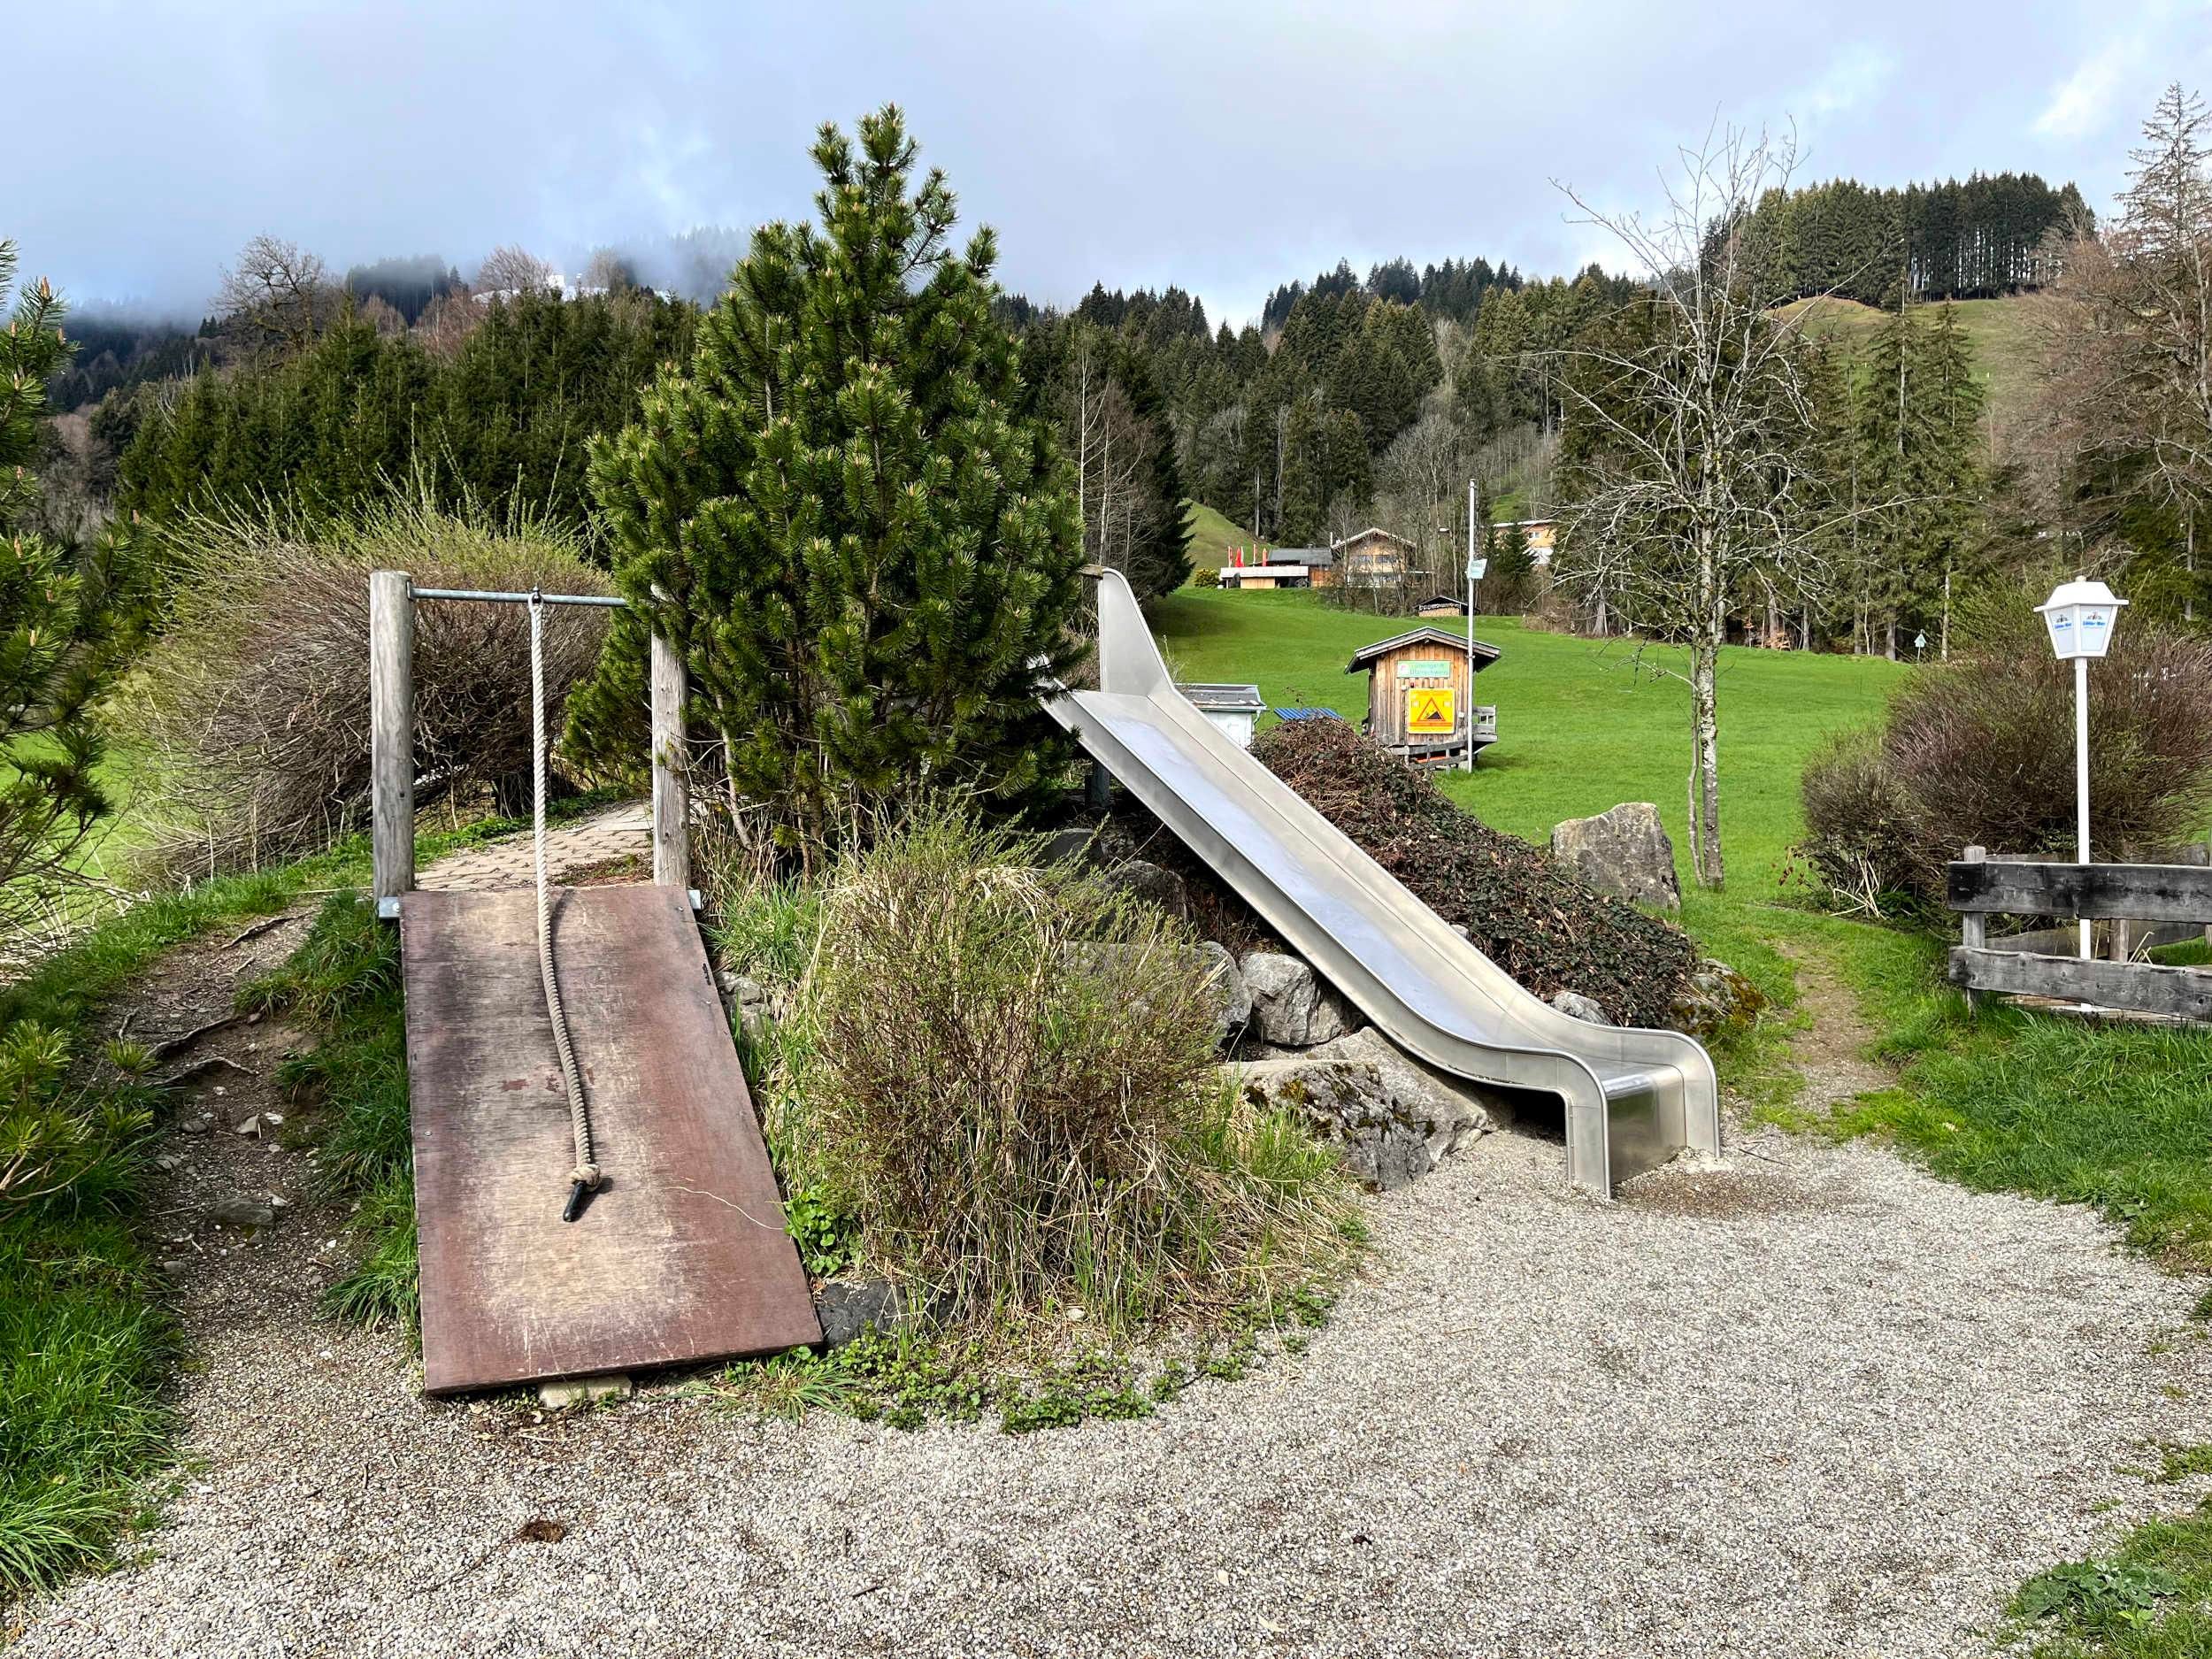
{"x": 1352, "y": 399}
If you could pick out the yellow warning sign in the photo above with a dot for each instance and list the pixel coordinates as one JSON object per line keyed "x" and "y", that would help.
{"x": 1429, "y": 711}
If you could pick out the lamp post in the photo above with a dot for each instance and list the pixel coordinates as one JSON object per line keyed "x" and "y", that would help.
{"x": 2080, "y": 616}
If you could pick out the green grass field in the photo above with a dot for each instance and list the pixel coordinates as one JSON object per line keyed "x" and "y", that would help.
{"x": 1583, "y": 725}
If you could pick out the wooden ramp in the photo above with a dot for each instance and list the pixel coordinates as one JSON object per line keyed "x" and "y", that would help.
{"x": 681, "y": 1257}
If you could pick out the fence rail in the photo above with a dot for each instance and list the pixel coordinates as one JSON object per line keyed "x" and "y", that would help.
{"x": 2139, "y": 902}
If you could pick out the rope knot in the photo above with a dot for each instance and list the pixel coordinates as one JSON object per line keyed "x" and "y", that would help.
{"x": 587, "y": 1176}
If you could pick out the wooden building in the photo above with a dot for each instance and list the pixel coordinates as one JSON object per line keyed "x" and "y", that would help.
{"x": 1440, "y": 605}
{"x": 1284, "y": 567}
{"x": 1374, "y": 558}
{"x": 1420, "y": 694}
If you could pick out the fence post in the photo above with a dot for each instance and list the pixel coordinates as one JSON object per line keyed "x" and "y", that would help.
{"x": 1973, "y": 927}
{"x": 671, "y": 828}
{"x": 392, "y": 731}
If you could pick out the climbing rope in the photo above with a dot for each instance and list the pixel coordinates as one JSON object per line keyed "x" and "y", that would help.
{"x": 585, "y": 1178}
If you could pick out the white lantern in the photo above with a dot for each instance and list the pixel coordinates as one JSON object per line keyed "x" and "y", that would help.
{"x": 2080, "y": 616}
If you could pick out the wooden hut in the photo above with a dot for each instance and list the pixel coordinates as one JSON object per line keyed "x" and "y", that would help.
{"x": 1420, "y": 694}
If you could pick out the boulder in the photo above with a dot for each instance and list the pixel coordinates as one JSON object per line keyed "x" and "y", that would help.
{"x": 1581, "y": 1006}
{"x": 1716, "y": 1000}
{"x": 1078, "y": 844}
{"x": 1152, "y": 884}
{"x": 1449, "y": 1103}
{"x": 851, "y": 1308}
{"x": 1624, "y": 852}
{"x": 1393, "y": 1121}
{"x": 750, "y": 1006}
{"x": 1292, "y": 1007}
{"x": 1233, "y": 1008}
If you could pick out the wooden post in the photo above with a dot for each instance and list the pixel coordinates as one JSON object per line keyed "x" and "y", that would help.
{"x": 671, "y": 827}
{"x": 392, "y": 731}
{"x": 1973, "y": 929}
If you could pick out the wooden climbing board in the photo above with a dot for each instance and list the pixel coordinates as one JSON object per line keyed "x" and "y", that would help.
{"x": 681, "y": 1257}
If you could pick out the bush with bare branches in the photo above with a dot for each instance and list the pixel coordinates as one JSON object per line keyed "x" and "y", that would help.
{"x": 252, "y": 711}
{"x": 1980, "y": 752}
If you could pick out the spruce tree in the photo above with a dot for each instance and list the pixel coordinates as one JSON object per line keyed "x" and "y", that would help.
{"x": 56, "y": 613}
{"x": 845, "y": 517}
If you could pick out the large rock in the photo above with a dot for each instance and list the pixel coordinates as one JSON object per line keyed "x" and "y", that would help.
{"x": 1624, "y": 852}
{"x": 1292, "y": 1007}
{"x": 851, "y": 1308}
{"x": 1456, "y": 1113}
{"x": 1233, "y": 998}
{"x": 1152, "y": 884}
{"x": 1716, "y": 1000}
{"x": 1581, "y": 1006}
{"x": 1394, "y": 1123}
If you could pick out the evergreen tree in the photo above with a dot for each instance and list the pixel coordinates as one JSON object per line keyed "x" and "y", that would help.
{"x": 56, "y": 623}
{"x": 843, "y": 518}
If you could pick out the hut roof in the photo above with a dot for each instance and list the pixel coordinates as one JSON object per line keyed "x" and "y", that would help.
{"x": 1365, "y": 657}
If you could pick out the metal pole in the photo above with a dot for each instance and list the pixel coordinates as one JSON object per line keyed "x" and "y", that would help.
{"x": 1467, "y": 763}
{"x": 2081, "y": 776}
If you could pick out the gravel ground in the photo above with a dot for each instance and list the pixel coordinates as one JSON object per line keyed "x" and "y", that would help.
{"x": 1810, "y": 1402}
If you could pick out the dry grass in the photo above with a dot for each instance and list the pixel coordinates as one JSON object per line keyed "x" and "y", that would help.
{"x": 1005, "y": 1073}
{"x": 252, "y": 711}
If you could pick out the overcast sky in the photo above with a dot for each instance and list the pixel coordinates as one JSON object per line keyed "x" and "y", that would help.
{"x": 1224, "y": 146}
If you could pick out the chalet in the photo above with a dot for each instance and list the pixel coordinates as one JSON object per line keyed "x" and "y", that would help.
{"x": 1538, "y": 535}
{"x": 1284, "y": 567}
{"x": 1442, "y": 606}
{"x": 1231, "y": 709}
{"x": 1420, "y": 694}
{"x": 1373, "y": 558}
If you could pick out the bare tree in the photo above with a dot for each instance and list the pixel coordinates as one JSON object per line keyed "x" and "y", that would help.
{"x": 2128, "y": 342}
{"x": 1113, "y": 457}
{"x": 1691, "y": 437}
{"x": 508, "y": 271}
{"x": 278, "y": 294}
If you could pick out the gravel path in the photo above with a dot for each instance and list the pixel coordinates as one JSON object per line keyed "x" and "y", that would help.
{"x": 1813, "y": 1403}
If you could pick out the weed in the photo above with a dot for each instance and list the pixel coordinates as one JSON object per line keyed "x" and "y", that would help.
{"x": 825, "y": 1234}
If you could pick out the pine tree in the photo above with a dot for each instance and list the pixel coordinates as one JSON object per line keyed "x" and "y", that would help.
{"x": 843, "y": 518}
{"x": 57, "y": 623}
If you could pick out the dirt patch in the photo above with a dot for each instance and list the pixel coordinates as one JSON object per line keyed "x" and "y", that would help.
{"x": 1833, "y": 1051}
{"x": 241, "y": 1232}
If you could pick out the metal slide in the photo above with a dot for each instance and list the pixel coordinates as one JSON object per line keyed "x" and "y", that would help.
{"x": 1634, "y": 1097}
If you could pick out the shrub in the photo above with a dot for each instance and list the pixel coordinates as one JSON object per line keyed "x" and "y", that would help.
{"x": 1981, "y": 752}
{"x": 252, "y": 712}
{"x": 1859, "y": 822}
{"x": 1544, "y": 927}
{"x": 1006, "y": 1077}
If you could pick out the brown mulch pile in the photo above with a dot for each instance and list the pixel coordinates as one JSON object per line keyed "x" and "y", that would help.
{"x": 1533, "y": 918}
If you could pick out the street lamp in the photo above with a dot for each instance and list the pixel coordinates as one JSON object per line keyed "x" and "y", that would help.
{"x": 2081, "y": 615}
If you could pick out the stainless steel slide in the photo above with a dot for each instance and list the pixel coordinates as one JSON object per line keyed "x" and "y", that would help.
{"x": 1634, "y": 1097}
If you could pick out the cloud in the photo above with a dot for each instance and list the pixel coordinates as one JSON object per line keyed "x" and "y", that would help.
{"x": 2084, "y": 100}
{"x": 1858, "y": 75}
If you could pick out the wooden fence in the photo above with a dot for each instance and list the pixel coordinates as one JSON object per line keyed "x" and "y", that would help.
{"x": 2133, "y": 899}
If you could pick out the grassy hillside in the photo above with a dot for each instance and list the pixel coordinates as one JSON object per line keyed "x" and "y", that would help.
{"x": 1583, "y": 725}
{"x": 2003, "y": 332}
{"x": 1211, "y": 537}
